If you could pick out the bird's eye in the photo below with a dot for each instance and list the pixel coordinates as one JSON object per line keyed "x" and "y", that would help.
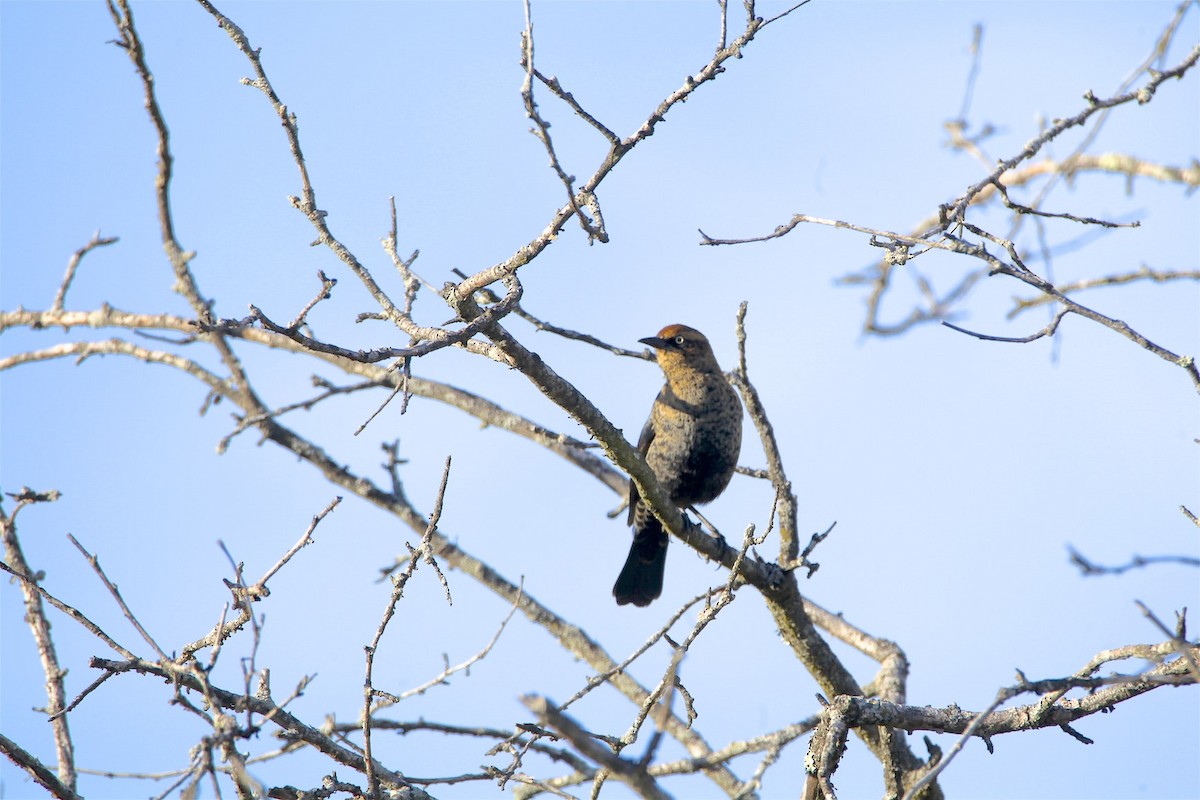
{"x": 679, "y": 340}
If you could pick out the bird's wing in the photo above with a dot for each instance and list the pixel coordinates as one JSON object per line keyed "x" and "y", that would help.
{"x": 643, "y": 445}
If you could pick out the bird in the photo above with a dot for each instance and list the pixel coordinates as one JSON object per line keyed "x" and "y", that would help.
{"x": 691, "y": 441}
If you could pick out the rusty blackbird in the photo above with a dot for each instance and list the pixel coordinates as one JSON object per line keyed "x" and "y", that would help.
{"x": 691, "y": 441}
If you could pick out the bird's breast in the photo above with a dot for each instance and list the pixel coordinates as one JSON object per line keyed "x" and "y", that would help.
{"x": 696, "y": 443}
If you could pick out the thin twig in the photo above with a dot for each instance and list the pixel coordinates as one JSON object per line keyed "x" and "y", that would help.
{"x": 398, "y": 584}
{"x": 116, "y": 594}
{"x": 541, "y": 129}
{"x": 785, "y": 498}
{"x": 449, "y": 670}
{"x": 73, "y": 264}
{"x": 586, "y": 338}
{"x": 325, "y": 293}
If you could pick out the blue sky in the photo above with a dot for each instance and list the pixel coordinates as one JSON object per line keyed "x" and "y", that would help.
{"x": 958, "y": 470}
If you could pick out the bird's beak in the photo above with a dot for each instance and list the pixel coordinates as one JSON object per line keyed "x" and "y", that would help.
{"x": 656, "y": 342}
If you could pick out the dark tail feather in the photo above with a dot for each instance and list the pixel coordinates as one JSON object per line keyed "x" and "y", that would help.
{"x": 641, "y": 579}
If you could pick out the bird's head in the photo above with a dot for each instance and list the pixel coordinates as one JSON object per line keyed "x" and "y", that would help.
{"x": 679, "y": 346}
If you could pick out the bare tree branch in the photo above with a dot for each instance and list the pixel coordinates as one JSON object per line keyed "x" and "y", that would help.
{"x": 35, "y": 617}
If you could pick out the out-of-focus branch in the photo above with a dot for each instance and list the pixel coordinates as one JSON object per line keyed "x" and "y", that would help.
{"x": 899, "y": 246}
{"x": 1106, "y": 163}
{"x": 956, "y": 210}
{"x": 879, "y": 276}
{"x": 1143, "y": 274}
{"x": 1087, "y": 567}
{"x": 1157, "y": 56}
{"x": 936, "y": 232}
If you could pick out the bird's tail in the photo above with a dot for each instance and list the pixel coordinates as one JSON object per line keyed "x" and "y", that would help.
{"x": 641, "y": 579}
